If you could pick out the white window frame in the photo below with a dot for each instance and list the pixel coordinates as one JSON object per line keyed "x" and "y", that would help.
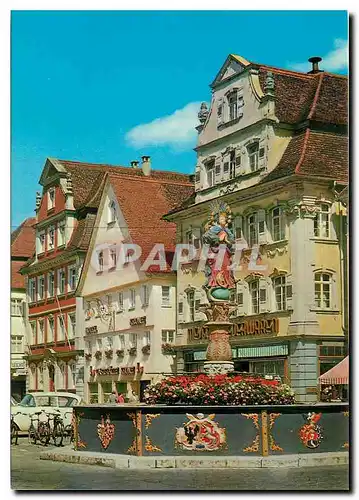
{"x": 120, "y": 302}
{"x": 322, "y": 222}
{"x": 41, "y": 280}
{"x": 17, "y": 344}
{"x": 50, "y": 331}
{"x": 168, "y": 336}
{"x": 253, "y": 156}
{"x": 232, "y": 164}
{"x": 61, "y": 328}
{"x": 145, "y": 296}
{"x": 277, "y": 217}
{"x": 112, "y": 212}
{"x": 279, "y": 284}
{"x": 72, "y": 278}
{"x": 33, "y": 330}
{"x": 254, "y": 293}
{"x": 132, "y": 340}
{"x": 32, "y": 290}
{"x": 252, "y": 229}
{"x": 321, "y": 285}
{"x": 146, "y": 339}
{"x": 51, "y": 198}
{"x": 232, "y": 102}
{"x": 41, "y": 331}
{"x": 113, "y": 258}
{"x": 166, "y": 299}
{"x": 191, "y": 305}
{"x": 72, "y": 324}
{"x": 100, "y": 261}
{"x": 61, "y": 233}
{"x": 132, "y": 299}
{"x": 42, "y": 242}
{"x": 61, "y": 279}
{"x": 122, "y": 341}
{"x": 51, "y": 237}
{"x": 16, "y": 307}
{"x": 51, "y": 274}
{"x": 210, "y": 173}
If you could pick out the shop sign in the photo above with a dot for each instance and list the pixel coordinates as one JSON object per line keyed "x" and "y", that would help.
{"x": 262, "y": 351}
{"x": 105, "y": 371}
{"x": 89, "y": 330}
{"x": 201, "y": 355}
{"x": 18, "y": 364}
{"x": 138, "y": 321}
{"x": 265, "y": 326}
{"x": 128, "y": 370}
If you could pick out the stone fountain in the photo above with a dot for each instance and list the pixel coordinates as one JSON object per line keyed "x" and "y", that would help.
{"x": 220, "y": 285}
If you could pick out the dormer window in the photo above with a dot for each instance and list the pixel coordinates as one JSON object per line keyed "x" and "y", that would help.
{"x": 253, "y": 156}
{"x": 51, "y": 199}
{"x": 232, "y": 106}
{"x": 210, "y": 173}
{"x": 111, "y": 212}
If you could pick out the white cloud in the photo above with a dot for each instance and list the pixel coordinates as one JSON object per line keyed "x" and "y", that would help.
{"x": 335, "y": 60}
{"x": 176, "y": 130}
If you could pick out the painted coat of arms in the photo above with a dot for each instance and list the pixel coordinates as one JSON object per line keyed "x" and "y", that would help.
{"x": 200, "y": 433}
{"x": 311, "y": 433}
{"x": 105, "y": 431}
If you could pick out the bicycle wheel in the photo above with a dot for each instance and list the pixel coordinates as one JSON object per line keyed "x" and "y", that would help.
{"x": 58, "y": 433}
{"x": 14, "y": 433}
{"x": 32, "y": 434}
{"x": 44, "y": 433}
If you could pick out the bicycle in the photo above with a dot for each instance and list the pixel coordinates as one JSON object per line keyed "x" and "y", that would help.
{"x": 57, "y": 427}
{"x": 69, "y": 429}
{"x": 14, "y": 427}
{"x": 40, "y": 433}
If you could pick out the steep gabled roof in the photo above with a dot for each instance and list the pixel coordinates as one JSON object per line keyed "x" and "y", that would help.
{"x": 313, "y": 153}
{"x": 23, "y": 239}
{"x": 88, "y": 179}
{"x": 143, "y": 201}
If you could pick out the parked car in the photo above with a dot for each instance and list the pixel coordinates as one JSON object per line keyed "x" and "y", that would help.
{"x": 37, "y": 401}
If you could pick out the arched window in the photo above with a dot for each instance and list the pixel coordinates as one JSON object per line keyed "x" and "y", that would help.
{"x": 321, "y": 222}
{"x": 278, "y": 224}
{"x": 323, "y": 290}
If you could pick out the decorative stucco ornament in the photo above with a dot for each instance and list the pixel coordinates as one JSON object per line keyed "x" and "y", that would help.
{"x": 269, "y": 83}
{"x": 203, "y": 113}
{"x": 200, "y": 433}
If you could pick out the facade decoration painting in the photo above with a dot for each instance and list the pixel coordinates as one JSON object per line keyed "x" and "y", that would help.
{"x": 75, "y": 421}
{"x": 254, "y": 447}
{"x": 200, "y": 433}
{"x": 311, "y": 432}
{"x": 105, "y": 431}
{"x": 272, "y": 444}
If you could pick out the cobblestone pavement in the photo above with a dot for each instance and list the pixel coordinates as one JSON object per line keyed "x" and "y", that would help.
{"x": 28, "y": 472}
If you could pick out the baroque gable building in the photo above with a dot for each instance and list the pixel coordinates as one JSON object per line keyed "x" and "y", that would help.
{"x": 273, "y": 145}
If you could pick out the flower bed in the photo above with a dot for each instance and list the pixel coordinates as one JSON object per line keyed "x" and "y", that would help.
{"x": 219, "y": 390}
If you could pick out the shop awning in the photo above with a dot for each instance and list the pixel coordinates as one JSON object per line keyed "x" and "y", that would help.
{"x": 339, "y": 374}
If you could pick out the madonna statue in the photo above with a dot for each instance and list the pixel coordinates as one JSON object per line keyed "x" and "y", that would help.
{"x": 219, "y": 237}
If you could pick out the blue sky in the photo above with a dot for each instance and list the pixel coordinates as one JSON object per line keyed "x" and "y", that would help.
{"x": 88, "y": 86}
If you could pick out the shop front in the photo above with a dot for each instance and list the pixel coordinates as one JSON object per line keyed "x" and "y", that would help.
{"x": 124, "y": 380}
{"x": 271, "y": 360}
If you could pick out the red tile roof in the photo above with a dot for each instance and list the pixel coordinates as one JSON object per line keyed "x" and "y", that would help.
{"x": 87, "y": 179}
{"x": 23, "y": 239}
{"x": 322, "y": 97}
{"x": 143, "y": 201}
{"x": 22, "y": 247}
{"x": 313, "y": 153}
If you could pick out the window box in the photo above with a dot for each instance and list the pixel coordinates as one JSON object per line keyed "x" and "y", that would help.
{"x": 146, "y": 349}
{"x": 120, "y": 353}
{"x": 98, "y": 354}
{"x": 109, "y": 354}
{"x": 132, "y": 351}
{"x": 88, "y": 356}
{"x": 168, "y": 349}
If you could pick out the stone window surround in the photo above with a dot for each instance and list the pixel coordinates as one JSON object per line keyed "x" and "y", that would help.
{"x": 333, "y": 308}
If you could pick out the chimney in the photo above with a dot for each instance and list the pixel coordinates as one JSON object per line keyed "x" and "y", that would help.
{"x": 315, "y": 65}
{"x": 146, "y": 165}
{"x": 134, "y": 163}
